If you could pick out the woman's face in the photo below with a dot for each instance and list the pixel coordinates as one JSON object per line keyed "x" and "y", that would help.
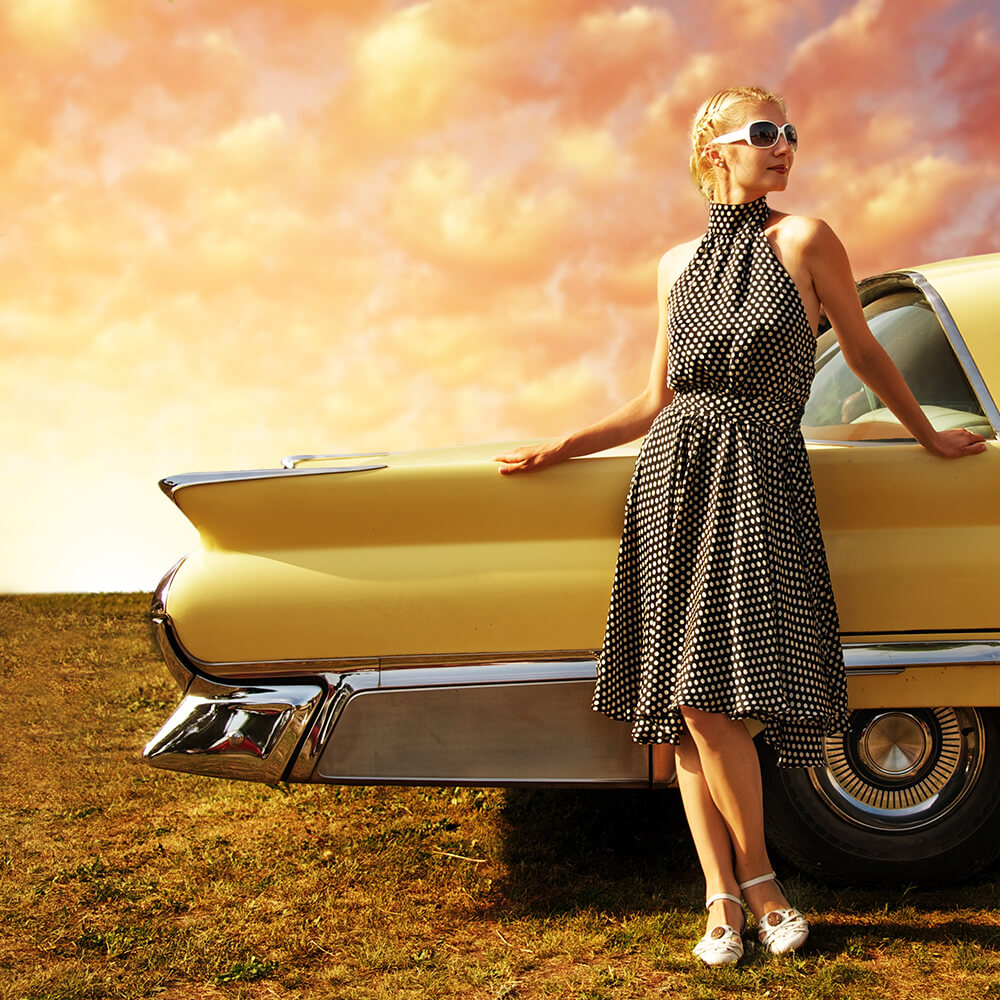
{"x": 743, "y": 171}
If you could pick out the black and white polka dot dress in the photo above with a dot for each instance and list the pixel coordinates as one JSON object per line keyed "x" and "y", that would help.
{"x": 722, "y": 598}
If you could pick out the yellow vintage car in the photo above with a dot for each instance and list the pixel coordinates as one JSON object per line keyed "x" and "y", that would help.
{"x": 417, "y": 618}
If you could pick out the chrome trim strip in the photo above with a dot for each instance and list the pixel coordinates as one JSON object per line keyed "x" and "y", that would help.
{"x": 863, "y": 657}
{"x": 271, "y": 668}
{"x": 866, "y": 443}
{"x": 175, "y": 663}
{"x": 291, "y": 461}
{"x": 960, "y": 348}
{"x": 350, "y": 664}
{"x": 493, "y": 672}
{"x": 164, "y": 633}
{"x": 552, "y": 656}
{"x": 158, "y": 605}
{"x": 171, "y": 484}
{"x": 245, "y": 733}
{"x": 860, "y": 657}
{"x": 509, "y": 782}
{"x": 340, "y": 689}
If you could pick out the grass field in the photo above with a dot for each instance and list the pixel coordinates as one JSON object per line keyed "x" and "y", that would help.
{"x": 117, "y": 880}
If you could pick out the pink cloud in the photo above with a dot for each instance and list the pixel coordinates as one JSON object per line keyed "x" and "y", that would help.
{"x": 971, "y": 74}
{"x": 298, "y": 226}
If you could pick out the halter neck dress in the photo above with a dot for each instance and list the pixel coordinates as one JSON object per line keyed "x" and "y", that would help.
{"x": 722, "y": 598}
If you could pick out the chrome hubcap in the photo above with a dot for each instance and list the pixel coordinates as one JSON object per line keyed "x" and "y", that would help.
{"x": 895, "y": 745}
{"x": 902, "y": 769}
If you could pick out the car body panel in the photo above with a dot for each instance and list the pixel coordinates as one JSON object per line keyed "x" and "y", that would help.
{"x": 366, "y": 573}
{"x": 531, "y": 569}
{"x": 324, "y": 567}
{"x": 898, "y": 521}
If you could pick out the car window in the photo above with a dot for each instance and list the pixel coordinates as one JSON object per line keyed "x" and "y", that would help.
{"x": 841, "y": 407}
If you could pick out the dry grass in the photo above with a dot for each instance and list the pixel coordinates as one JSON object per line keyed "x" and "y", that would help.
{"x": 117, "y": 880}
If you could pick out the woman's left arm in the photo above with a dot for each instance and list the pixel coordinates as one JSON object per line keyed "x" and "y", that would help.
{"x": 826, "y": 259}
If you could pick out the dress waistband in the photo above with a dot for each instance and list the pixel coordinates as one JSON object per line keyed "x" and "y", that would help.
{"x": 783, "y": 413}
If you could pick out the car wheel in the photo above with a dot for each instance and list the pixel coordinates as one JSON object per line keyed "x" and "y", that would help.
{"x": 907, "y": 795}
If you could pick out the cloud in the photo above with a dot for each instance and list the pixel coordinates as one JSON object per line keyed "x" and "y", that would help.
{"x": 612, "y": 53}
{"x": 750, "y": 20}
{"x": 852, "y": 51}
{"x": 238, "y": 229}
{"x": 592, "y": 154}
{"x": 48, "y": 26}
{"x": 970, "y": 71}
{"x": 505, "y": 226}
{"x": 407, "y": 75}
{"x": 902, "y": 212}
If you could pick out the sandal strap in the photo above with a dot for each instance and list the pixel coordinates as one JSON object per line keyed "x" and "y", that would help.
{"x": 760, "y": 880}
{"x": 722, "y": 895}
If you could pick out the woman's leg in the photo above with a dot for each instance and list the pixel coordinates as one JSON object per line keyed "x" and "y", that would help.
{"x": 730, "y": 775}
{"x": 710, "y": 835}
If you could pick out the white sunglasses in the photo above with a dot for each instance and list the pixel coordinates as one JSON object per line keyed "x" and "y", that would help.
{"x": 762, "y": 134}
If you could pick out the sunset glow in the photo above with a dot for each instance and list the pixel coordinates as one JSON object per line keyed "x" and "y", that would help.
{"x": 238, "y": 229}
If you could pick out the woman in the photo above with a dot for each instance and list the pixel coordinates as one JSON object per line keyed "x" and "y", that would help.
{"x": 722, "y": 608}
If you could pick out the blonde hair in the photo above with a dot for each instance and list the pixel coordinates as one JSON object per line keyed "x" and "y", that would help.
{"x": 718, "y": 115}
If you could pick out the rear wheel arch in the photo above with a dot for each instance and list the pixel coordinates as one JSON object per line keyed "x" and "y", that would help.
{"x": 908, "y": 795}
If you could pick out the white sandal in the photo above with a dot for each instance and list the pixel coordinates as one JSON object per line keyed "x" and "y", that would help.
{"x": 779, "y": 931}
{"x": 722, "y": 945}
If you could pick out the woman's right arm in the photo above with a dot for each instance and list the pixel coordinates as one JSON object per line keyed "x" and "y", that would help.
{"x": 629, "y": 421}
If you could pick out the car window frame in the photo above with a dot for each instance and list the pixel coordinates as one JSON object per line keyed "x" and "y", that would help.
{"x": 874, "y": 288}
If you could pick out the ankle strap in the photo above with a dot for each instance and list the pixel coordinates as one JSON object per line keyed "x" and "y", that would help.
{"x": 760, "y": 880}
{"x": 722, "y": 895}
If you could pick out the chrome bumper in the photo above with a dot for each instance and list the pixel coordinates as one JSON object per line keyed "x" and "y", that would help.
{"x": 486, "y": 721}
{"x": 501, "y": 719}
{"x": 490, "y": 723}
{"x": 250, "y": 733}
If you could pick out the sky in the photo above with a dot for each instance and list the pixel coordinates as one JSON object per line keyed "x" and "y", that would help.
{"x": 239, "y": 229}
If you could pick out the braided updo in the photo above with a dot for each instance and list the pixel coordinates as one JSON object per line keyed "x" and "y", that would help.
{"x": 718, "y": 115}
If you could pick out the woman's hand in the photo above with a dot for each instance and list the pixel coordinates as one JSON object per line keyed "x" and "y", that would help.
{"x": 530, "y": 458}
{"x": 955, "y": 443}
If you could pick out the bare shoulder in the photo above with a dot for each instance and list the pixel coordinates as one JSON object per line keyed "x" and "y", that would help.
{"x": 673, "y": 262}
{"x": 802, "y": 234}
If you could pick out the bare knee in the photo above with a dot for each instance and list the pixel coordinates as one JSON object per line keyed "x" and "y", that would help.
{"x": 713, "y": 730}
{"x": 686, "y": 754}
{"x": 698, "y": 721}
